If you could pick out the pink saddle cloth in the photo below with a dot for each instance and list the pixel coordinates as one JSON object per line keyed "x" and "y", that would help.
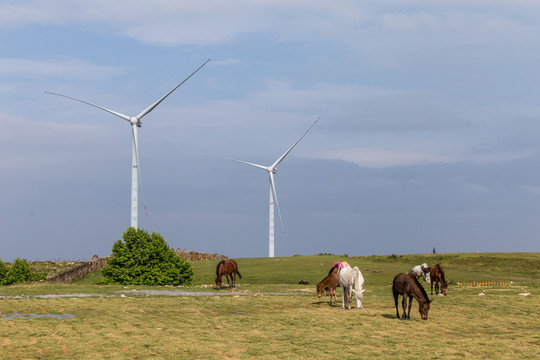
{"x": 342, "y": 264}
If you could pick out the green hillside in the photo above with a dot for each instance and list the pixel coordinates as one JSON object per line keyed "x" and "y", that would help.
{"x": 380, "y": 270}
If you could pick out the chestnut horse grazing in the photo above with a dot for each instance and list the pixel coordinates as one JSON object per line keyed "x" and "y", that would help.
{"x": 437, "y": 276}
{"x": 329, "y": 284}
{"x": 408, "y": 286}
{"x": 227, "y": 267}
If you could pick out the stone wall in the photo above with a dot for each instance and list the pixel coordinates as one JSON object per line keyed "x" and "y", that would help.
{"x": 78, "y": 272}
{"x": 195, "y": 256}
{"x": 98, "y": 263}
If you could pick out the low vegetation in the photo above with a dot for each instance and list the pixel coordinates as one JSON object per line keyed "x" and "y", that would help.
{"x": 271, "y": 316}
{"x": 18, "y": 272}
{"x": 145, "y": 259}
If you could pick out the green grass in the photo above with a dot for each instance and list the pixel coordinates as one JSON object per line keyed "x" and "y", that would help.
{"x": 380, "y": 270}
{"x": 498, "y": 325}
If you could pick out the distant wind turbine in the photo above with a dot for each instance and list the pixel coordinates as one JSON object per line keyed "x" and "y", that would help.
{"x": 135, "y": 122}
{"x": 273, "y": 195}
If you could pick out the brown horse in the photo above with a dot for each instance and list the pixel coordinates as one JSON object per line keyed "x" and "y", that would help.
{"x": 227, "y": 267}
{"x": 408, "y": 286}
{"x": 329, "y": 284}
{"x": 437, "y": 276}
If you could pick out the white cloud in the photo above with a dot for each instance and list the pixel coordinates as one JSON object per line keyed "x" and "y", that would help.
{"x": 379, "y": 158}
{"x": 27, "y": 145}
{"x": 535, "y": 190}
{"x": 227, "y": 62}
{"x": 362, "y": 25}
{"x": 182, "y": 22}
{"x": 376, "y": 158}
{"x": 65, "y": 67}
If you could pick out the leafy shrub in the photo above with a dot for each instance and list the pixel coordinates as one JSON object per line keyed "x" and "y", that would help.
{"x": 3, "y": 272}
{"x": 144, "y": 259}
{"x": 20, "y": 272}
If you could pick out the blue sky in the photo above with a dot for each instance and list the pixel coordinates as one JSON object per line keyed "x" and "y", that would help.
{"x": 430, "y": 120}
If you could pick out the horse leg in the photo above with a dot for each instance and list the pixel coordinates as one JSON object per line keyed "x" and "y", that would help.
{"x": 431, "y": 293}
{"x": 437, "y": 288}
{"x": 396, "y": 295}
{"x": 343, "y": 295}
{"x": 233, "y": 277}
{"x": 349, "y": 298}
{"x": 410, "y": 304}
{"x": 228, "y": 282}
{"x": 404, "y": 305}
{"x": 358, "y": 306}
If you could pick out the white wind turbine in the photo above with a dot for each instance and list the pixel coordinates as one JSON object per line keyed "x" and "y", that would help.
{"x": 273, "y": 195}
{"x": 135, "y": 122}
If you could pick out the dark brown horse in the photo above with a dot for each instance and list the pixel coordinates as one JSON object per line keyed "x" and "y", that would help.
{"x": 329, "y": 284}
{"x": 408, "y": 286}
{"x": 437, "y": 276}
{"x": 227, "y": 267}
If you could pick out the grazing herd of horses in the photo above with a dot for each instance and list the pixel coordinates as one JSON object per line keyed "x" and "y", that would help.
{"x": 351, "y": 281}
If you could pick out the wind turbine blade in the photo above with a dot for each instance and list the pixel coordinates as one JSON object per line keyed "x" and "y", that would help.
{"x": 125, "y": 117}
{"x": 138, "y": 166}
{"x": 274, "y": 193}
{"x": 151, "y": 107}
{"x": 288, "y": 151}
{"x": 240, "y": 161}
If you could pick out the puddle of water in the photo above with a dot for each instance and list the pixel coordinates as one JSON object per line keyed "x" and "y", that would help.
{"x": 39, "y": 316}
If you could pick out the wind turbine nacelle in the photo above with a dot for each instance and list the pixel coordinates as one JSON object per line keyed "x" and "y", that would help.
{"x": 134, "y": 121}
{"x": 273, "y": 171}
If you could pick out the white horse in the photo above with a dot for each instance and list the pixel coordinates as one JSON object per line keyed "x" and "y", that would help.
{"x": 421, "y": 271}
{"x": 351, "y": 281}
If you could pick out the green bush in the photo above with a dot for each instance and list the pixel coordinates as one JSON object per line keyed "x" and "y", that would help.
{"x": 144, "y": 259}
{"x": 3, "y": 272}
{"x": 19, "y": 272}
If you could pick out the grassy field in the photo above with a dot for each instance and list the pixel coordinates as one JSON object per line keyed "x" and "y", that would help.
{"x": 271, "y": 316}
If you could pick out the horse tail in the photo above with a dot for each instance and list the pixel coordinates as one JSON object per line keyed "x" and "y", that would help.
{"x": 238, "y": 272}
{"x": 356, "y": 274}
{"x": 217, "y": 267}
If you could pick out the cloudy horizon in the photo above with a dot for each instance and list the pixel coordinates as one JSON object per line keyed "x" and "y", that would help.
{"x": 428, "y": 136}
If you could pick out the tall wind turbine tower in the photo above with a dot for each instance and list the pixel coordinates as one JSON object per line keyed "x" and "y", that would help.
{"x": 136, "y": 123}
{"x": 272, "y": 170}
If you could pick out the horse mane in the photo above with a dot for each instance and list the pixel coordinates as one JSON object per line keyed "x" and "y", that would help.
{"x": 422, "y": 290}
{"x": 441, "y": 271}
{"x": 332, "y": 269}
{"x": 217, "y": 267}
